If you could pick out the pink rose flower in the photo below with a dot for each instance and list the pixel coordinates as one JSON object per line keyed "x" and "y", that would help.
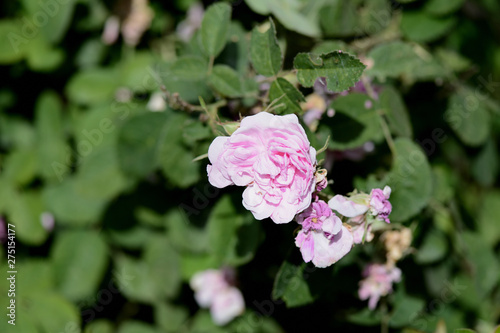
{"x": 323, "y": 239}
{"x": 273, "y": 158}
{"x": 377, "y": 282}
{"x": 214, "y": 289}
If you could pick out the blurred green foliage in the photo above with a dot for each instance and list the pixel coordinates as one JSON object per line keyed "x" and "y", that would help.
{"x": 134, "y": 215}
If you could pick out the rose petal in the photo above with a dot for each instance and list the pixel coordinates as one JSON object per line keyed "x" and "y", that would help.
{"x": 347, "y": 207}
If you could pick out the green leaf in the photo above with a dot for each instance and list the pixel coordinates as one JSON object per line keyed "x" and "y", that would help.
{"x": 187, "y": 88}
{"x": 70, "y": 205}
{"x": 366, "y": 317}
{"x": 291, "y": 13}
{"x": 485, "y": 165}
{"x": 80, "y": 259}
{"x": 340, "y": 18}
{"x": 157, "y": 138}
{"x": 288, "y": 95}
{"x": 38, "y": 276}
{"x": 43, "y": 57}
{"x": 135, "y": 326}
{"x": 222, "y": 224}
{"x": 14, "y": 44}
{"x": 266, "y": 324}
{"x": 170, "y": 318}
{"x": 444, "y": 183}
{"x": 423, "y": 28}
{"x": 99, "y": 326}
{"x": 433, "y": 248}
{"x": 396, "y": 112}
{"x": 52, "y": 313}
{"x": 353, "y": 123}
{"x": 232, "y": 236}
{"x": 195, "y": 131}
{"x": 481, "y": 257}
{"x": 24, "y": 211}
{"x": 405, "y": 308}
{"x": 202, "y": 322}
{"x": 51, "y": 145}
{"x": 214, "y": 28}
{"x": 163, "y": 266}
{"x": 177, "y": 164}
{"x": 290, "y": 285}
{"x": 265, "y": 52}
{"x": 410, "y": 180}
{"x": 190, "y": 68}
{"x": 100, "y": 176}
{"x": 20, "y": 166}
{"x": 226, "y": 81}
{"x": 59, "y": 16}
{"x": 138, "y": 143}
{"x": 329, "y": 46}
{"x": 92, "y": 86}
{"x": 468, "y": 117}
{"x": 488, "y": 218}
{"x": 452, "y": 60}
{"x": 154, "y": 277}
{"x": 134, "y": 72}
{"x": 398, "y": 59}
{"x": 341, "y": 70}
{"x": 184, "y": 236}
{"x": 442, "y": 7}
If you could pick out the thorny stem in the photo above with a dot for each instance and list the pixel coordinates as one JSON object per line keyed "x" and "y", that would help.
{"x": 175, "y": 101}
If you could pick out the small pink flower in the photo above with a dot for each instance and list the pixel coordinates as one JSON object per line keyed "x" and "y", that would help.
{"x": 214, "y": 289}
{"x": 379, "y": 203}
{"x": 376, "y": 203}
{"x": 319, "y": 217}
{"x": 322, "y": 240}
{"x": 207, "y": 285}
{"x": 377, "y": 282}
{"x": 273, "y": 158}
{"x": 227, "y": 305}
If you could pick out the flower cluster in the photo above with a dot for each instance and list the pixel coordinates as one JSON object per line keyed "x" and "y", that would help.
{"x": 215, "y": 289}
{"x": 379, "y": 278}
{"x": 271, "y": 156}
{"x": 323, "y": 239}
